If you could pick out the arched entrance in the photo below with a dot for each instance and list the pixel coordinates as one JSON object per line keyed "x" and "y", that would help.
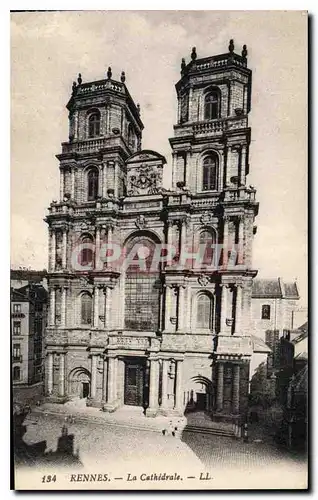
{"x": 79, "y": 383}
{"x": 202, "y": 396}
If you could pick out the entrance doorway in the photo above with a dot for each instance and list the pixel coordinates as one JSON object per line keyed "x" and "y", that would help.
{"x": 85, "y": 392}
{"x": 79, "y": 383}
{"x": 134, "y": 383}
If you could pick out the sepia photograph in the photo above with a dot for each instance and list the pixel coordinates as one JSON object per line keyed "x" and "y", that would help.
{"x": 158, "y": 274}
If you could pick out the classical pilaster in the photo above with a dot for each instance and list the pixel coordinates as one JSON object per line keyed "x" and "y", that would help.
{"x": 188, "y": 310}
{"x": 53, "y": 249}
{"x": 63, "y": 306}
{"x": 109, "y": 241}
{"x": 225, "y": 240}
{"x": 219, "y": 387}
{"x": 116, "y": 174}
{"x": 236, "y": 389}
{"x": 174, "y": 169}
{"x": 96, "y": 306}
{"x": 179, "y": 386}
{"x": 61, "y": 184}
{"x": 224, "y": 306}
{"x": 93, "y": 375}
{"x": 243, "y": 166}
{"x": 238, "y": 311}
{"x": 62, "y": 374}
{"x": 108, "y": 299}
{"x": 72, "y": 183}
{"x": 112, "y": 383}
{"x": 105, "y": 369}
{"x": 241, "y": 240}
{"x": 97, "y": 247}
{"x": 103, "y": 172}
{"x": 64, "y": 247}
{"x": 153, "y": 388}
{"x": 50, "y": 373}
{"x": 181, "y": 308}
{"x": 52, "y": 306}
{"x": 164, "y": 387}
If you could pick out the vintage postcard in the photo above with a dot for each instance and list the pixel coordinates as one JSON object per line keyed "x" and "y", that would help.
{"x": 159, "y": 336}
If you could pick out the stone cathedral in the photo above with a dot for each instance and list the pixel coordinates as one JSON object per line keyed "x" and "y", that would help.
{"x": 169, "y": 338}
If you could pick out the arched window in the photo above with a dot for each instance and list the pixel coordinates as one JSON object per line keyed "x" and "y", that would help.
{"x": 86, "y": 309}
{"x": 16, "y": 373}
{"x": 266, "y": 311}
{"x": 207, "y": 247}
{"x": 204, "y": 312}
{"x": 212, "y": 105}
{"x": 94, "y": 124}
{"x": 142, "y": 286}
{"x": 92, "y": 184}
{"x": 86, "y": 250}
{"x": 210, "y": 173}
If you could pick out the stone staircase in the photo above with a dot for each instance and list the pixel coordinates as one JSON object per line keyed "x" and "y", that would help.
{"x": 133, "y": 418}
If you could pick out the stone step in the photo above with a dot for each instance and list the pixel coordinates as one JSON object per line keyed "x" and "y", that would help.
{"x": 209, "y": 430}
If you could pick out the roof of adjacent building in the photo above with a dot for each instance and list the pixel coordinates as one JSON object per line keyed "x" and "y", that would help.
{"x": 274, "y": 288}
{"x": 29, "y": 292}
{"x": 259, "y": 345}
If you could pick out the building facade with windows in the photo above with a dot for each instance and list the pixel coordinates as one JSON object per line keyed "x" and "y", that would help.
{"x": 175, "y": 335}
{"x": 28, "y": 323}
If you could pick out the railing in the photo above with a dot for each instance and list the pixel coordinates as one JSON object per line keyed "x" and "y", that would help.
{"x": 17, "y": 359}
{"x": 222, "y": 62}
{"x": 84, "y": 146}
{"x": 239, "y": 194}
{"x": 208, "y": 127}
{"x": 86, "y": 88}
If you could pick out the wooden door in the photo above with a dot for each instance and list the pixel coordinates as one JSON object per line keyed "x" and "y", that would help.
{"x": 134, "y": 384}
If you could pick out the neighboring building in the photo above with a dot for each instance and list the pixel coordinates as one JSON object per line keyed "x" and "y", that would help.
{"x": 175, "y": 336}
{"x": 292, "y": 386}
{"x": 28, "y": 322}
{"x": 274, "y": 304}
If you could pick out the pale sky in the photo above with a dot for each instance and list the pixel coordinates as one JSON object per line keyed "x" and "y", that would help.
{"x": 49, "y": 49}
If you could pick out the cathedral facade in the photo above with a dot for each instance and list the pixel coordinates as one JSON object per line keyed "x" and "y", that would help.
{"x": 150, "y": 288}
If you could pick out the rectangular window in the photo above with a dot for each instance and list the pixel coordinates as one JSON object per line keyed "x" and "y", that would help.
{"x": 266, "y": 311}
{"x": 141, "y": 302}
{"x": 16, "y": 352}
{"x": 16, "y": 308}
{"x": 17, "y": 328}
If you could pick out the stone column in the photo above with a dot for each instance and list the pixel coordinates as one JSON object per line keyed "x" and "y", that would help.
{"x": 109, "y": 241}
{"x": 64, "y": 248}
{"x": 104, "y": 180}
{"x": 72, "y": 183}
{"x": 183, "y": 236}
{"x": 62, "y": 375}
{"x": 97, "y": 247}
{"x": 174, "y": 169}
{"x": 238, "y": 310}
{"x": 169, "y": 308}
{"x": 52, "y": 306}
{"x": 219, "y": 388}
{"x": 63, "y": 306}
{"x": 241, "y": 240}
{"x": 181, "y": 311}
{"x": 104, "y": 395}
{"x": 107, "y": 307}
{"x": 116, "y": 173}
{"x": 93, "y": 375}
{"x": 188, "y": 313}
{"x": 96, "y": 306}
{"x": 112, "y": 380}
{"x": 179, "y": 386}
{"x": 243, "y": 166}
{"x": 153, "y": 388}
{"x": 225, "y": 240}
{"x": 236, "y": 389}
{"x": 53, "y": 249}
{"x": 50, "y": 373}
{"x": 61, "y": 184}
{"x": 164, "y": 387}
{"x": 224, "y": 308}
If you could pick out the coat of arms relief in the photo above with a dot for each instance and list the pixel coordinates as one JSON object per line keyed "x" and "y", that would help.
{"x": 144, "y": 180}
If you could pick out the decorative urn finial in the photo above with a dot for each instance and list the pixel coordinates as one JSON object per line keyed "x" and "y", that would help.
{"x": 123, "y": 77}
{"x": 74, "y": 88}
{"x": 231, "y": 46}
{"x": 183, "y": 64}
{"x": 109, "y": 73}
{"x": 79, "y": 79}
{"x": 244, "y": 51}
{"x": 194, "y": 54}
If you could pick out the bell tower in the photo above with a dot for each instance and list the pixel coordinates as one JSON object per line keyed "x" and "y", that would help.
{"x": 211, "y": 138}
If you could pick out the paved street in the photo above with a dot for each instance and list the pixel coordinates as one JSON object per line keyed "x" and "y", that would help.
{"x": 120, "y": 450}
